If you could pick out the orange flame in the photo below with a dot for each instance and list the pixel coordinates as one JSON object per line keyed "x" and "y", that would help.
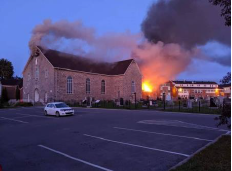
{"x": 146, "y": 87}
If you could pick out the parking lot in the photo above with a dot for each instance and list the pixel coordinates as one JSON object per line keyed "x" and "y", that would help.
{"x": 101, "y": 139}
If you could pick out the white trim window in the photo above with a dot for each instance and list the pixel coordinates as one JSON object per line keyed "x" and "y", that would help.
{"x": 132, "y": 87}
{"x": 103, "y": 87}
{"x": 87, "y": 86}
{"x": 69, "y": 85}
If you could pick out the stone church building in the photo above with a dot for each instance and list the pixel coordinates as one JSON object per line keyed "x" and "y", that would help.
{"x": 51, "y": 75}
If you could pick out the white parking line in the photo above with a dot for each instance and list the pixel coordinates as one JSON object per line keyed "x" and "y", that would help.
{"x": 176, "y": 123}
{"x": 22, "y": 117}
{"x": 134, "y": 145}
{"x": 202, "y": 126}
{"x": 35, "y": 115}
{"x": 13, "y": 120}
{"x": 173, "y": 135}
{"x": 228, "y": 133}
{"x": 74, "y": 158}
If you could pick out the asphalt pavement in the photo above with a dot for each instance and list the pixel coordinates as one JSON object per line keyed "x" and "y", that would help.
{"x": 101, "y": 139}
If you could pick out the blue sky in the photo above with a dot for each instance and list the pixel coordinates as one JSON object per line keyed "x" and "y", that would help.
{"x": 18, "y": 18}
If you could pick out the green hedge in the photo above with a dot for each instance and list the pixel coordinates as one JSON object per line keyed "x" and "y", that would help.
{"x": 24, "y": 104}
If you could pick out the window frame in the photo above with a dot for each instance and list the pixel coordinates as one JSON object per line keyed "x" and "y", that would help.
{"x": 103, "y": 86}
{"x": 36, "y": 73}
{"x": 133, "y": 89}
{"x": 69, "y": 85}
{"x": 87, "y": 86}
{"x": 46, "y": 73}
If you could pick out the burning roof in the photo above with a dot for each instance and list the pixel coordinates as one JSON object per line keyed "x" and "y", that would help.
{"x": 68, "y": 61}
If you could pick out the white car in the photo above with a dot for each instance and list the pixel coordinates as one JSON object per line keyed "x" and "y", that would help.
{"x": 58, "y": 109}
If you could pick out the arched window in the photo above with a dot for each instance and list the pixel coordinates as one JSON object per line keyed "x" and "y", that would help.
{"x": 87, "y": 86}
{"x": 133, "y": 87}
{"x": 103, "y": 87}
{"x": 69, "y": 85}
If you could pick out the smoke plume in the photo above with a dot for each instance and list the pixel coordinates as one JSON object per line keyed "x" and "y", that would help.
{"x": 173, "y": 29}
{"x": 161, "y": 62}
{"x": 185, "y": 22}
{"x": 75, "y": 38}
{"x": 176, "y": 29}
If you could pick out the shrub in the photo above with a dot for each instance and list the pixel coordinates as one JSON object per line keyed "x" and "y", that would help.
{"x": 4, "y": 97}
{"x": 24, "y": 104}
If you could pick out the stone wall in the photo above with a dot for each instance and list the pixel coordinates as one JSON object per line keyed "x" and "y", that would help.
{"x": 53, "y": 82}
{"x": 45, "y": 82}
{"x": 115, "y": 86}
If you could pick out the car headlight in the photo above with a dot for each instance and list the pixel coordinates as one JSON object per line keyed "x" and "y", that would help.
{"x": 61, "y": 109}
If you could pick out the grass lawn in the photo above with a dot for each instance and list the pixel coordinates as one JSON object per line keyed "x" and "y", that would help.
{"x": 216, "y": 157}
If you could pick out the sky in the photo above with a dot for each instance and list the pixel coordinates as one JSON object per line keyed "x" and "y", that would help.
{"x": 19, "y": 17}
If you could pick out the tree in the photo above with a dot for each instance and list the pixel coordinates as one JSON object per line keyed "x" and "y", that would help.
{"x": 225, "y": 11}
{"x": 224, "y": 118}
{"x": 17, "y": 77}
{"x": 226, "y": 79}
{"x": 6, "y": 69}
{"x": 4, "y": 97}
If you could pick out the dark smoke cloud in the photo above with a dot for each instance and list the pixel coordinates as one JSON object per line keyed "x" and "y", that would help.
{"x": 185, "y": 22}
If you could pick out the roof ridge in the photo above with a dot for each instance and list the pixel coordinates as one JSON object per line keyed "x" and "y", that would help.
{"x": 73, "y": 55}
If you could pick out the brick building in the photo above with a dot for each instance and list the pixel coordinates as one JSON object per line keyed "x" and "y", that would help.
{"x": 11, "y": 85}
{"x": 190, "y": 89}
{"x": 225, "y": 90}
{"x": 51, "y": 75}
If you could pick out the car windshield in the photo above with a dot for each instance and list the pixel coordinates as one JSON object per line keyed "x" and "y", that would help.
{"x": 61, "y": 105}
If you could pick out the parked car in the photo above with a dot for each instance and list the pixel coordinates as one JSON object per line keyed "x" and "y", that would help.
{"x": 58, "y": 109}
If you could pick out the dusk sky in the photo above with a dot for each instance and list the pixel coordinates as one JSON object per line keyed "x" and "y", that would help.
{"x": 19, "y": 17}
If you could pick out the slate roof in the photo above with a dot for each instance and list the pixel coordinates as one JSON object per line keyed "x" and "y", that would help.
{"x": 224, "y": 85}
{"x": 194, "y": 82}
{"x": 67, "y": 61}
{"x": 198, "y": 87}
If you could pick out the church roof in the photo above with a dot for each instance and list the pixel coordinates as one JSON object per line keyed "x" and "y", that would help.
{"x": 67, "y": 61}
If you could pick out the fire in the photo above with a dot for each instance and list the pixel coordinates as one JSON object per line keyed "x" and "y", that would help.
{"x": 146, "y": 87}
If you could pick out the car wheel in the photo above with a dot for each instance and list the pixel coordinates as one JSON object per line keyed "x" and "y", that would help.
{"x": 45, "y": 113}
{"x": 57, "y": 114}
